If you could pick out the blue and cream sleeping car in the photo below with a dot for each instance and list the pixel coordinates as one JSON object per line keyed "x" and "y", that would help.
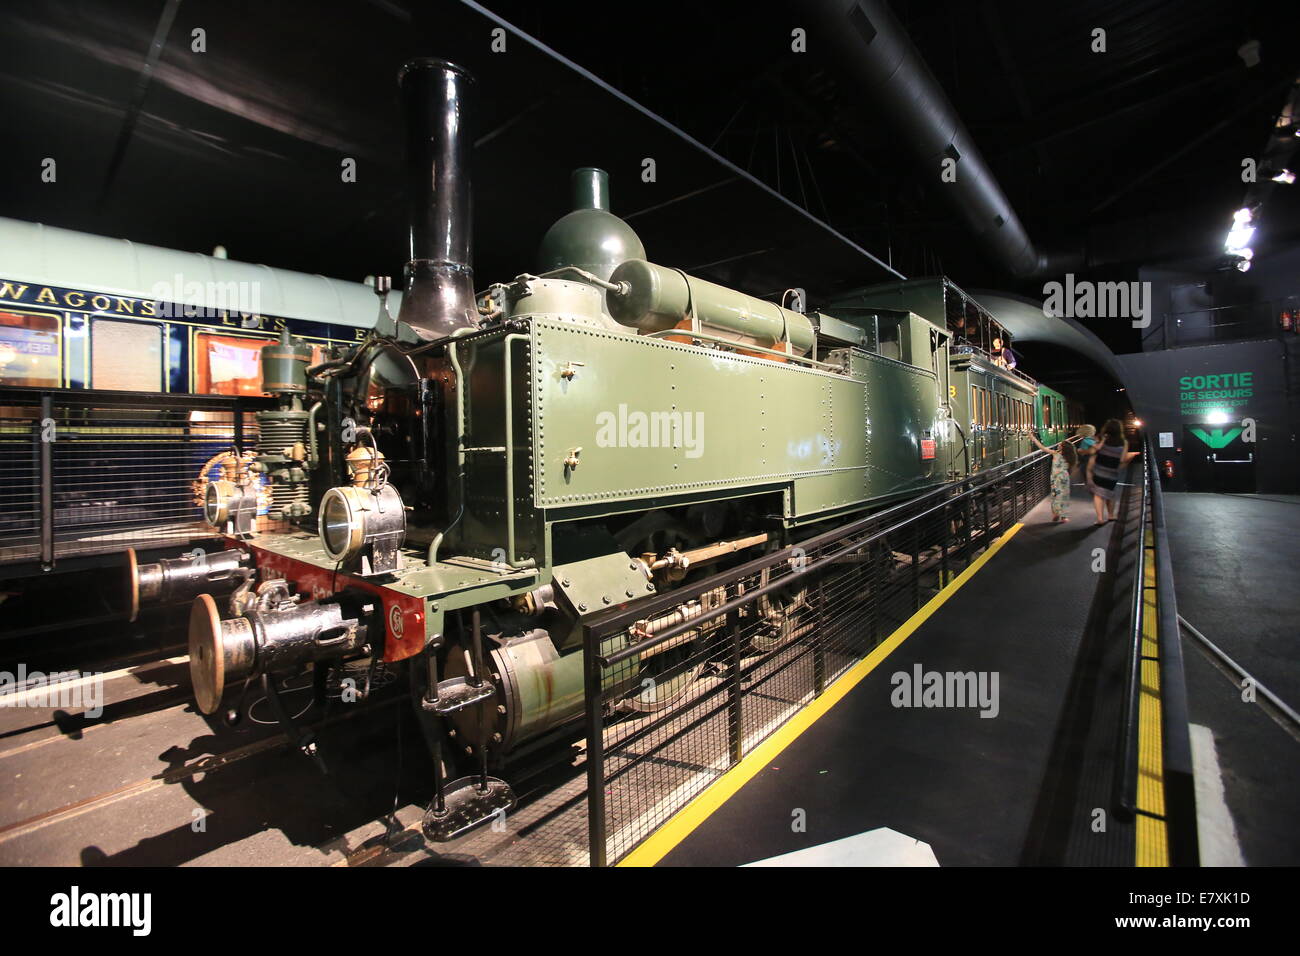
{"x": 79, "y": 311}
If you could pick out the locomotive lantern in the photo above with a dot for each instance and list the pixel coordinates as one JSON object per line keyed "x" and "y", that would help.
{"x": 230, "y": 507}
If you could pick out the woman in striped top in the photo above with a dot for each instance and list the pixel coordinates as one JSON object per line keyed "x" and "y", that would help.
{"x": 1103, "y": 470}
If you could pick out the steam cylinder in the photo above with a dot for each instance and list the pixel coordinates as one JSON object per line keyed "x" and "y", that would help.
{"x": 657, "y": 298}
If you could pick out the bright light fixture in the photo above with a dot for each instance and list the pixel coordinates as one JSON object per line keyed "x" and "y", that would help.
{"x": 1242, "y": 231}
{"x": 1217, "y": 416}
{"x": 1284, "y": 176}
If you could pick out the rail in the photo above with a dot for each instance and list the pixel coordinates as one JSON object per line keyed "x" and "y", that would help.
{"x": 1126, "y": 781}
{"x": 1155, "y": 651}
{"x": 93, "y": 472}
{"x": 1225, "y": 323}
{"x": 684, "y": 686}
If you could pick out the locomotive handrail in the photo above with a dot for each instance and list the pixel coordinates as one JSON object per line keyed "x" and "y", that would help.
{"x": 508, "y": 341}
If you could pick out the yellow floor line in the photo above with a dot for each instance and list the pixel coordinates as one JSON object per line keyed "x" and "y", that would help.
{"x": 686, "y": 820}
{"x": 1151, "y": 838}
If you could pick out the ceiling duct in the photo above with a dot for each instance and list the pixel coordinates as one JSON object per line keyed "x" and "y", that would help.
{"x": 875, "y": 54}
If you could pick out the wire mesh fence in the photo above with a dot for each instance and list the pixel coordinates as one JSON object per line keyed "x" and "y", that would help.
{"x": 89, "y": 473}
{"x": 682, "y": 688}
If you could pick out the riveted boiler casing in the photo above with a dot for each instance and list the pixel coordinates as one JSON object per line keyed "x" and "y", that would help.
{"x": 594, "y": 422}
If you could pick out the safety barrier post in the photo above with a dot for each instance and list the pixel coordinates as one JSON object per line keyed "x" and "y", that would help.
{"x": 735, "y": 711}
{"x": 592, "y": 671}
{"x": 45, "y": 455}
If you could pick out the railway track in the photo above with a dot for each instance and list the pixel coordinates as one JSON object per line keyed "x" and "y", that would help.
{"x": 150, "y": 781}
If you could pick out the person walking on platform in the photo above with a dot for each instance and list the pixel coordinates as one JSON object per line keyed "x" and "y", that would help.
{"x": 1064, "y": 459}
{"x": 1103, "y": 470}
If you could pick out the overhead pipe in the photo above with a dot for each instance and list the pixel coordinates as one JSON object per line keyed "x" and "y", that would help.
{"x": 875, "y": 52}
{"x": 440, "y": 296}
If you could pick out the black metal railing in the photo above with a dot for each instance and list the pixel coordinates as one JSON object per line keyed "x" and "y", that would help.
{"x": 92, "y": 472}
{"x": 1227, "y": 323}
{"x": 1157, "y": 642}
{"x": 1126, "y": 782}
{"x": 679, "y": 690}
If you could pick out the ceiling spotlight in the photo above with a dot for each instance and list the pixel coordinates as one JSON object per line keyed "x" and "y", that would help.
{"x": 1238, "y": 239}
{"x": 1242, "y": 231}
{"x": 1284, "y": 176}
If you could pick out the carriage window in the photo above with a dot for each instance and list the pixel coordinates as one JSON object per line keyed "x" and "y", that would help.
{"x": 232, "y": 364}
{"x": 126, "y": 355}
{"x": 227, "y": 364}
{"x": 29, "y": 350}
{"x": 1047, "y": 412}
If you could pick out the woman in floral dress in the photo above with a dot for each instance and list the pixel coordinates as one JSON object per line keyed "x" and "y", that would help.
{"x": 1064, "y": 458}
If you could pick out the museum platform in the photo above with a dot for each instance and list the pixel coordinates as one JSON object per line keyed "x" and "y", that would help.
{"x": 1047, "y": 610}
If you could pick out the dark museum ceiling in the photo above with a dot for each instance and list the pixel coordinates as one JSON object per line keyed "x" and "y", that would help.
{"x": 1136, "y": 151}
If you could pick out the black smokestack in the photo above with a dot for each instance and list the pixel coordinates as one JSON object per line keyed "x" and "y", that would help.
{"x": 440, "y": 296}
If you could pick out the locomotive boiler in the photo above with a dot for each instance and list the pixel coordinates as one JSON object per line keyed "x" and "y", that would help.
{"x": 486, "y": 470}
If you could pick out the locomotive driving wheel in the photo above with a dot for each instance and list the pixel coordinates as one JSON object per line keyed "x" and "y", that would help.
{"x": 781, "y": 617}
{"x": 665, "y": 679}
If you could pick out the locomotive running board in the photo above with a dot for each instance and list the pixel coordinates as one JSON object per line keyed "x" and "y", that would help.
{"x": 466, "y": 806}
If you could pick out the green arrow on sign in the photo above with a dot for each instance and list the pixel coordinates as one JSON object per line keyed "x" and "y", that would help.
{"x": 1216, "y": 438}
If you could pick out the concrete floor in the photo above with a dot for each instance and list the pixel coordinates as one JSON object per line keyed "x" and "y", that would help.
{"x": 1236, "y": 565}
{"x": 1018, "y": 789}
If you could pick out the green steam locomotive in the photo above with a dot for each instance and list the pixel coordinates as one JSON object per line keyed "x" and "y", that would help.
{"x": 486, "y": 470}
